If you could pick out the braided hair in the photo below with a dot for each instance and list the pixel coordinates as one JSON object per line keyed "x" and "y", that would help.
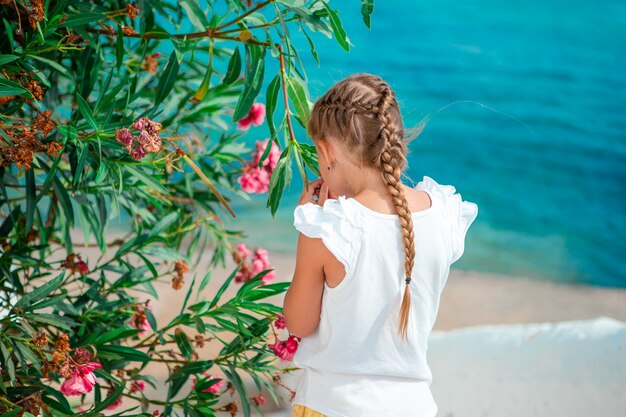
{"x": 362, "y": 113}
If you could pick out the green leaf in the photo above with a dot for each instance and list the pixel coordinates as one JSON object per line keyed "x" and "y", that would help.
{"x": 119, "y": 48}
{"x": 338, "y": 30}
{"x": 312, "y": 47}
{"x": 254, "y": 81}
{"x": 51, "y": 63}
{"x": 223, "y": 287}
{"x": 31, "y": 198}
{"x": 206, "y": 81}
{"x": 167, "y": 80}
{"x": 292, "y": 3}
{"x": 5, "y": 59}
{"x": 85, "y": 110}
{"x": 196, "y": 367}
{"x": 280, "y": 177}
{"x": 123, "y": 353}
{"x": 183, "y": 343}
{"x": 10, "y": 88}
{"x": 82, "y": 19}
{"x": 241, "y": 389}
{"x": 298, "y": 96}
{"x": 52, "y": 319}
{"x": 164, "y": 223}
{"x": 98, "y": 339}
{"x": 196, "y": 15}
{"x": 40, "y": 292}
{"x": 271, "y": 98}
{"x": 147, "y": 179}
{"x": 234, "y": 68}
{"x": 367, "y": 7}
{"x": 110, "y": 399}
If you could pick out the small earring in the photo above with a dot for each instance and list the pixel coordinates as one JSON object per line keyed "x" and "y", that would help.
{"x": 329, "y": 167}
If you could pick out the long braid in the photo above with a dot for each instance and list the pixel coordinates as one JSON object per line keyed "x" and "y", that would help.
{"x": 390, "y": 169}
{"x": 362, "y": 113}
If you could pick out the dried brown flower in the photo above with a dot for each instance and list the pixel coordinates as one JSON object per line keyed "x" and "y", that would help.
{"x": 177, "y": 282}
{"x": 43, "y": 123}
{"x": 54, "y": 147}
{"x": 128, "y": 31}
{"x": 63, "y": 343}
{"x": 199, "y": 339}
{"x": 35, "y": 15}
{"x": 40, "y": 339}
{"x": 35, "y": 89}
{"x": 151, "y": 63}
{"x": 132, "y": 10}
{"x": 4, "y": 100}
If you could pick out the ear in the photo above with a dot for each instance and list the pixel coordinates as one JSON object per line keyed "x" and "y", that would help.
{"x": 326, "y": 148}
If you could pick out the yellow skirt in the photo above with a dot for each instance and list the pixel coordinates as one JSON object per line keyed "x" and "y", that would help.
{"x": 300, "y": 410}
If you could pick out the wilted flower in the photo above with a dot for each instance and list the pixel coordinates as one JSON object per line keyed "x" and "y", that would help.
{"x": 139, "y": 320}
{"x": 137, "y": 153}
{"x": 258, "y": 400}
{"x": 82, "y": 380}
{"x": 151, "y": 143}
{"x": 180, "y": 267}
{"x": 148, "y": 125}
{"x": 125, "y": 137}
{"x": 76, "y": 264}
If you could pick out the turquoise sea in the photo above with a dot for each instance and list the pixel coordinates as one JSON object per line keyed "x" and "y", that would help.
{"x": 536, "y": 135}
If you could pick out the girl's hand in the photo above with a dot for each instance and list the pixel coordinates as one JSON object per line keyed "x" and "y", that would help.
{"x": 316, "y": 188}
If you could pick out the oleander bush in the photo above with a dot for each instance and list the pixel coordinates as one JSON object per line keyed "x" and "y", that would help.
{"x": 138, "y": 111}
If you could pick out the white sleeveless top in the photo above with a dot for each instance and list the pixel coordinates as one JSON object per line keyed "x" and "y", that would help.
{"x": 355, "y": 364}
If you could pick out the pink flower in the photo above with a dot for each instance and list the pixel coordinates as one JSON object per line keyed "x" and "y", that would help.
{"x": 215, "y": 388}
{"x": 254, "y": 179}
{"x": 272, "y": 159}
{"x": 280, "y": 322}
{"x": 255, "y": 116}
{"x": 260, "y": 262}
{"x": 81, "y": 381}
{"x": 138, "y": 386}
{"x": 242, "y": 250}
{"x": 286, "y": 349}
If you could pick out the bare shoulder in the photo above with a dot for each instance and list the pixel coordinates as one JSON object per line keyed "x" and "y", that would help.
{"x": 417, "y": 199}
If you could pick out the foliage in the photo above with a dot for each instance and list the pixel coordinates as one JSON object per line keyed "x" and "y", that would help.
{"x": 106, "y": 111}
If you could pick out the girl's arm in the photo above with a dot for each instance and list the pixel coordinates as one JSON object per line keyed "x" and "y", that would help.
{"x": 303, "y": 300}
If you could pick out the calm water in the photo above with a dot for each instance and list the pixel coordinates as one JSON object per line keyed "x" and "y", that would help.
{"x": 536, "y": 138}
{"x": 543, "y": 154}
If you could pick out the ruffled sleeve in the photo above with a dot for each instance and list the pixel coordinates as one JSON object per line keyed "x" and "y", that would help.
{"x": 339, "y": 227}
{"x": 460, "y": 213}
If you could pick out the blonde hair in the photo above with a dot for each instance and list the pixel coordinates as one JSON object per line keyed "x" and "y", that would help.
{"x": 361, "y": 111}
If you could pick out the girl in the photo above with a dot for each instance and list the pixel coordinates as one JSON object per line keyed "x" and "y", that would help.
{"x": 372, "y": 259}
